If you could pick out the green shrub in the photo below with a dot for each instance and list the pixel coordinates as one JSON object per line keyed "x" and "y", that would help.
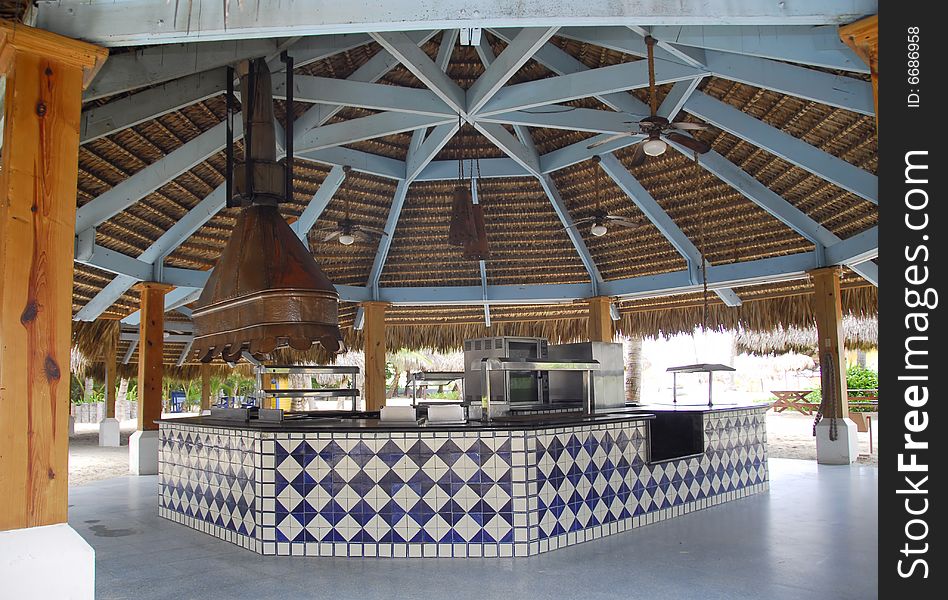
{"x": 857, "y": 378}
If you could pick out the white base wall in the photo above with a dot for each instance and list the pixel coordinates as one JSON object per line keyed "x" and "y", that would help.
{"x": 844, "y": 450}
{"x": 143, "y": 453}
{"x": 109, "y": 433}
{"x": 72, "y": 425}
{"x": 46, "y": 562}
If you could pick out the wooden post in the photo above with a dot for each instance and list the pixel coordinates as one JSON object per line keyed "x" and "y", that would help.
{"x": 600, "y": 321}
{"x": 863, "y": 37}
{"x": 828, "y": 307}
{"x": 374, "y": 330}
{"x": 205, "y": 387}
{"x": 110, "y": 360}
{"x": 151, "y": 331}
{"x": 45, "y": 75}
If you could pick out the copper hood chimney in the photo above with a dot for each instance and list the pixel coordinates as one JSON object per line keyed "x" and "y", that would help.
{"x": 266, "y": 291}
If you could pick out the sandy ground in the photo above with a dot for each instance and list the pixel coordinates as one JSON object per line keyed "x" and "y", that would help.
{"x": 788, "y": 436}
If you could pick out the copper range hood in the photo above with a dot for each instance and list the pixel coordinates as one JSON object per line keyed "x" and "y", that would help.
{"x": 266, "y": 291}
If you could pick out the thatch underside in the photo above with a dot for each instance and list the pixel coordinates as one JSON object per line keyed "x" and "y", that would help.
{"x": 527, "y": 240}
{"x": 860, "y": 334}
{"x": 766, "y": 308}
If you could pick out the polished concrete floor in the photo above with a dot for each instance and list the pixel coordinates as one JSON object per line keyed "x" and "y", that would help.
{"x": 812, "y": 536}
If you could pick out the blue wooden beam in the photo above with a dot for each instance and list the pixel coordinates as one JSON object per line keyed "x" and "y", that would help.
{"x": 732, "y": 275}
{"x": 386, "y": 242}
{"x": 515, "y": 55}
{"x": 583, "y": 84}
{"x": 562, "y": 63}
{"x": 822, "y": 164}
{"x": 147, "y": 180}
{"x": 556, "y": 116}
{"x": 372, "y": 96}
{"x": 833, "y": 90}
{"x": 319, "y": 202}
{"x": 366, "y": 128}
{"x": 364, "y": 162}
{"x": 802, "y": 44}
{"x": 415, "y": 60}
{"x": 370, "y": 72}
{"x": 155, "y": 253}
{"x": 654, "y": 212}
{"x": 203, "y": 20}
{"x": 559, "y": 206}
{"x": 489, "y": 168}
{"x": 100, "y": 121}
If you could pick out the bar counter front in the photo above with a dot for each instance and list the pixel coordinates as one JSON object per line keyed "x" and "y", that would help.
{"x": 351, "y": 485}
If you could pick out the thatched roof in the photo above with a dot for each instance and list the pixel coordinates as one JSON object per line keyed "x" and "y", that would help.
{"x": 860, "y": 333}
{"x": 528, "y": 242}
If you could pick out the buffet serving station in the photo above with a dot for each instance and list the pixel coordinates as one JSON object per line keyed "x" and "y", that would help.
{"x": 526, "y": 470}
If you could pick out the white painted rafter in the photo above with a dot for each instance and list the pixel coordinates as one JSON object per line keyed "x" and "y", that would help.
{"x": 149, "y": 22}
{"x": 518, "y": 51}
{"x": 822, "y": 164}
{"x": 815, "y": 46}
{"x": 583, "y": 84}
{"x": 319, "y": 202}
{"x": 415, "y": 60}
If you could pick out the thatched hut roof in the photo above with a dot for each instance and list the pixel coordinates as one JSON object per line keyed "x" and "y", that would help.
{"x": 528, "y": 242}
{"x": 860, "y": 334}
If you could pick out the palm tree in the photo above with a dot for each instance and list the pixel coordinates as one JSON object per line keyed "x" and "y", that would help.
{"x": 633, "y": 368}
{"x": 405, "y": 361}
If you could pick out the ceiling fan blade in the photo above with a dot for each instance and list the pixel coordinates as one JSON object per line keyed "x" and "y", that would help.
{"x": 623, "y": 222}
{"x": 611, "y": 138}
{"x": 372, "y": 230}
{"x": 688, "y": 142}
{"x": 689, "y": 126}
{"x": 638, "y": 156}
{"x": 333, "y": 235}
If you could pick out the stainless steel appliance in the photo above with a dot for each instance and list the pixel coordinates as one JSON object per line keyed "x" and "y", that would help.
{"x": 521, "y": 388}
{"x": 489, "y": 367}
{"x": 608, "y": 382}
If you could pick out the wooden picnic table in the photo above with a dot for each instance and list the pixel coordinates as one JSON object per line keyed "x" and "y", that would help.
{"x": 794, "y": 400}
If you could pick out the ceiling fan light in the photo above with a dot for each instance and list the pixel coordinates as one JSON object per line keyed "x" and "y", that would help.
{"x": 654, "y": 147}
{"x": 598, "y": 230}
{"x": 346, "y": 239}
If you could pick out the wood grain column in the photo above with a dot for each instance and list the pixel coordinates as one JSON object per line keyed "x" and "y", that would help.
{"x": 863, "y": 37}
{"x": 600, "y": 321}
{"x": 44, "y": 78}
{"x": 151, "y": 350}
{"x": 110, "y": 361}
{"x": 828, "y": 307}
{"x": 205, "y": 387}
{"x": 374, "y": 333}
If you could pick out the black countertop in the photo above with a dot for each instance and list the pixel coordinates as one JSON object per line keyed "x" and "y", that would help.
{"x": 341, "y": 421}
{"x": 320, "y": 423}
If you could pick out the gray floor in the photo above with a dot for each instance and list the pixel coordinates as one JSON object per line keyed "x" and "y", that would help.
{"x": 812, "y": 536}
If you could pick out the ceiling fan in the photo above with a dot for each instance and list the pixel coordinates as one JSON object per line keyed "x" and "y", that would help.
{"x": 656, "y": 127}
{"x": 349, "y": 232}
{"x": 600, "y": 219}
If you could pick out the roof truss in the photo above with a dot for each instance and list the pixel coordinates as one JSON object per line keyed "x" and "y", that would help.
{"x": 750, "y": 53}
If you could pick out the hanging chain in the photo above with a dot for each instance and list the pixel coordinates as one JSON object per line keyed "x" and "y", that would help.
{"x": 653, "y": 99}
{"x": 701, "y": 234}
{"x": 460, "y": 153}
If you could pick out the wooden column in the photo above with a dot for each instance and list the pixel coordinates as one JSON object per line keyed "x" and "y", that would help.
{"x": 205, "y": 387}
{"x": 45, "y": 75}
{"x": 863, "y": 37}
{"x": 828, "y": 307}
{"x": 110, "y": 360}
{"x": 151, "y": 343}
{"x": 374, "y": 332}
{"x": 600, "y": 321}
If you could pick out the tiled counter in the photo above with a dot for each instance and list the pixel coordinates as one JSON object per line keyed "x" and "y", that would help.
{"x": 471, "y": 491}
